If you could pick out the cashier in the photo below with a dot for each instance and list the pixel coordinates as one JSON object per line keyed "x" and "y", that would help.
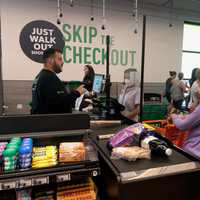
{"x": 49, "y": 94}
{"x": 130, "y": 95}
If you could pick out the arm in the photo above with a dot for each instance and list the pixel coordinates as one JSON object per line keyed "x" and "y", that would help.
{"x": 189, "y": 121}
{"x": 136, "y": 109}
{"x": 183, "y": 87}
{"x": 54, "y": 94}
{"x": 135, "y": 112}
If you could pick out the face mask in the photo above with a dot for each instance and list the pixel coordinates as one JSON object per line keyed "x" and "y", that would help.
{"x": 127, "y": 81}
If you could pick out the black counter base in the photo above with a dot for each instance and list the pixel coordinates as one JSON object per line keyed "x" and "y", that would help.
{"x": 176, "y": 187}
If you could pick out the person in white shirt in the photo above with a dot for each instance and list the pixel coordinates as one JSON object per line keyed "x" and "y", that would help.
{"x": 177, "y": 91}
{"x": 130, "y": 95}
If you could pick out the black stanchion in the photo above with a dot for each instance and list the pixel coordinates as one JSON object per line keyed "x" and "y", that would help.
{"x": 142, "y": 68}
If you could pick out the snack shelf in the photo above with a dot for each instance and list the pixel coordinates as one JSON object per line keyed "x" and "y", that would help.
{"x": 49, "y": 130}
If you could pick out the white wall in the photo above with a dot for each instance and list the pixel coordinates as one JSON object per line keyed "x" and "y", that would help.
{"x": 163, "y": 48}
{"x": 163, "y": 45}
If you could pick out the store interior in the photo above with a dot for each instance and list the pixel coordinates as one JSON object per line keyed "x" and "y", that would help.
{"x": 125, "y": 135}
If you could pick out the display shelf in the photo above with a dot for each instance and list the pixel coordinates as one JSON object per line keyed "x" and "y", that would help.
{"x": 59, "y": 173}
{"x": 62, "y": 128}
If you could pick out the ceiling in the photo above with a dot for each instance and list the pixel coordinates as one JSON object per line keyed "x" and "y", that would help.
{"x": 188, "y": 7}
{"x": 177, "y": 4}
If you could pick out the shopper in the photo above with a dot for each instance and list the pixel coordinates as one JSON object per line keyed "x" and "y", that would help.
{"x": 88, "y": 77}
{"x": 191, "y": 123}
{"x": 168, "y": 85}
{"x": 193, "y": 77}
{"x": 177, "y": 91}
{"x": 49, "y": 94}
{"x": 195, "y": 92}
{"x": 130, "y": 95}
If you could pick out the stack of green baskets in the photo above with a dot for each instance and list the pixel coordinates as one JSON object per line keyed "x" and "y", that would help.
{"x": 154, "y": 111}
{"x": 74, "y": 84}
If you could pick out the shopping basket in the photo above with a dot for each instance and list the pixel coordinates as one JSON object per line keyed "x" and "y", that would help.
{"x": 170, "y": 131}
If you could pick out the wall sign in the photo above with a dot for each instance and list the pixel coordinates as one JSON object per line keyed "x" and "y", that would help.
{"x": 37, "y": 36}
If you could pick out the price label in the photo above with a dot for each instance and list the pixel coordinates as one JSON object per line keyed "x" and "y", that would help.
{"x": 40, "y": 181}
{"x": 24, "y": 183}
{"x": 8, "y": 185}
{"x": 63, "y": 177}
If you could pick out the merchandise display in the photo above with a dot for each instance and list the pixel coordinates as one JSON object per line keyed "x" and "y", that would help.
{"x": 23, "y": 194}
{"x": 72, "y": 151}
{"x": 35, "y": 164}
{"x": 44, "y": 157}
{"x": 16, "y": 154}
{"x": 22, "y": 154}
{"x": 80, "y": 191}
{"x": 25, "y": 153}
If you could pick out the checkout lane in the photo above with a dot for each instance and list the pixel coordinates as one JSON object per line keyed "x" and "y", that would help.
{"x": 124, "y": 177}
{"x": 167, "y": 178}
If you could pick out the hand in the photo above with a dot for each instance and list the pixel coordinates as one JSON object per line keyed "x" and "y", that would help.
{"x": 81, "y": 89}
{"x": 172, "y": 115}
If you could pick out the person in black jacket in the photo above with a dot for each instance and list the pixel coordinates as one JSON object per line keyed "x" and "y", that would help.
{"x": 88, "y": 77}
{"x": 49, "y": 94}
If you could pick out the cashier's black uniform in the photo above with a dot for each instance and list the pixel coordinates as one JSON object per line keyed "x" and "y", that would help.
{"x": 50, "y": 95}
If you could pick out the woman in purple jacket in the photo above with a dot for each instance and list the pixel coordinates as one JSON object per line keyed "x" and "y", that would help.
{"x": 191, "y": 123}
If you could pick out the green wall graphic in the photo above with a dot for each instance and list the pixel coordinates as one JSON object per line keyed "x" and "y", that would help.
{"x": 85, "y": 51}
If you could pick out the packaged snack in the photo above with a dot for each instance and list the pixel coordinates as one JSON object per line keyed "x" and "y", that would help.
{"x": 82, "y": 191}
{"x": 2, "y": 148}
{"x": 44, "y": 156}
{"x": 23, "y": 194}
{"x": 125, "y": 136}
{"x": 72, "y": 151}
{"x": 131, "y": 153}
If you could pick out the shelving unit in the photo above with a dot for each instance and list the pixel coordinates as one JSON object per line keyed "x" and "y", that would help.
{"x": 49, "y": 130}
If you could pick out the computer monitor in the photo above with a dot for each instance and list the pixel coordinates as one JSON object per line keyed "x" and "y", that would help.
{"x": 98, "y": 83}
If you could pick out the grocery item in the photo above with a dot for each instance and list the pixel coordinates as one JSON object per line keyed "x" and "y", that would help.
{"x": 23, "y": 194}
{"x": 43, "y": 194}
{"x": 25, "y": 153}
{"x": 44, "y": 156}
{"x": 148, "y": 140}
{"x": 72, "y": 151}
{"x": 10, "y": 154}
{"x": 81, "y": 191}
{"x": 131, "y": 153}
{"x": 2, "y": 148}
{"x": 125, "y": 136}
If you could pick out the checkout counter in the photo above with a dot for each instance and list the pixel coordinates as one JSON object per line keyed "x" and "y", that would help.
{"x": 173, "y": 178}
